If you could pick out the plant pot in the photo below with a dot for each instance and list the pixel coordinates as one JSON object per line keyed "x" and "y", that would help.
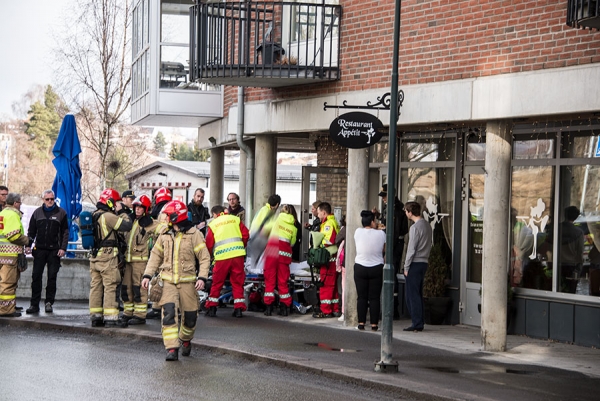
{"x": 437, "y": 309}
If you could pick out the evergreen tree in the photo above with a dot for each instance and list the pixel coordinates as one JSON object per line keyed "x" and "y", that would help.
{"x": 160, "y": 142}
{"x": 185, "y": 152}
{"x": 44, "y": 123}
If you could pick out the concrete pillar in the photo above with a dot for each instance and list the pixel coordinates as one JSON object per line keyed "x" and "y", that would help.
{"x": 496, "y": 217}
{"x": 266, "y": 169}
{"x": 243, "y": 173}
{"x": 358, "y": 200}
{"x": 217, "y": 171}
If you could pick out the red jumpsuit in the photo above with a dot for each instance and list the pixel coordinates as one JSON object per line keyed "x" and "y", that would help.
{"x": 328, "y": 294}
{"x": 278, "y": 257}
{"x": 226, "y": 239}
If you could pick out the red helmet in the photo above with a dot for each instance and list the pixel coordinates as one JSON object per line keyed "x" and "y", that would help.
{"x": 162, "y": 194}
{"x": 109, "y": 196}
{"x": 143, "y": 201}
{"x": 176, "y": 211}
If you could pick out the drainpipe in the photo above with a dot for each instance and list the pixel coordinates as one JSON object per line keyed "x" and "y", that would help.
{"x": 249, "y": 157}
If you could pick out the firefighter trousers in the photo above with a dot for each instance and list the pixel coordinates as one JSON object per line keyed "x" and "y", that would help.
{"x": 328, "y": 294}
{"x": 135, "y": 298}
{"x": 105, "y": 278}
{"x": 235, "y": 268}
{"x": 277, "y": 273}
{"x": 182, "y": 296}
{"x": 9, "y": 277}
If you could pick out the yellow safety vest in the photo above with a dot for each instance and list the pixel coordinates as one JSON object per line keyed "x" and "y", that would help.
{"x": 10, "y": 229}
{"x": 284, "y": 228}
{"x": 228, "y": 237}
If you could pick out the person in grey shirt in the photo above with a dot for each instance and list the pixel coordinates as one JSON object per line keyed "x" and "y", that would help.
{"x": 415, "y": 264}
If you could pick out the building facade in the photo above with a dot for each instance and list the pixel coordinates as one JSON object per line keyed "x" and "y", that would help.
{"x": 464, "y": 67}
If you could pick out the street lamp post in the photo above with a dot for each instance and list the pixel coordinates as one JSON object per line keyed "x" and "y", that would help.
{"x": 386, "y": 364}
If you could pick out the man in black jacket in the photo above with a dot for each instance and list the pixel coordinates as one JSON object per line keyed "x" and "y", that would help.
{"x": 199, "y": 213}
{"x": 49, "y": 230}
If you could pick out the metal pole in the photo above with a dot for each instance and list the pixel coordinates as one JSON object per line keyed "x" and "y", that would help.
{"x": 386, "y": 364}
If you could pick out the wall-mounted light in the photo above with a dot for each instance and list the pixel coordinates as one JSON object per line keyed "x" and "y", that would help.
{"x": 212, "y": 141}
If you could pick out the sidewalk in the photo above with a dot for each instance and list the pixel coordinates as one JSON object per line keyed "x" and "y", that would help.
{"x": 442, "y": 342}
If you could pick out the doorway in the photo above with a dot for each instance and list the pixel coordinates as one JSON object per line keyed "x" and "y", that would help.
{"x": 309, "y": 195}
{"x": 472, "y": 245}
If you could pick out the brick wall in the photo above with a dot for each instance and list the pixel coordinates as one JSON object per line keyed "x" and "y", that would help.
{"x": 444, "y": 40}
{"x": 332, "y": 188}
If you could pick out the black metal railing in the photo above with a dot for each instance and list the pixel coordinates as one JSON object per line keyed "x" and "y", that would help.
{"x": 264, "y": 44}
{"x": 583, "y": 13}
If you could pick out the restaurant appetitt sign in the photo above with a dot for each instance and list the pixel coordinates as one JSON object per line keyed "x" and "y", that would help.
{"x": 356, "y": 130}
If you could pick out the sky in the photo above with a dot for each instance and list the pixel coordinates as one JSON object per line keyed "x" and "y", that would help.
{"x": 25, "y": 29}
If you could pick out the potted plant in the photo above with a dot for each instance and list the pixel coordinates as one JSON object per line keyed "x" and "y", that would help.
{"x": 437, "y": 304}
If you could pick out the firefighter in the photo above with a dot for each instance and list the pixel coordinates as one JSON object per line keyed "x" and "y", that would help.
{"x": 277, "y": 261}
{"x": 328, "y": 275}
{"x": 226, "y": 239}
{"x": 174, "y": 257}
{"x": 162, "y": 196}
{"x": 110, "y": 219}
{"x": 12, "y": 240}
{"x": 140, "y": 239}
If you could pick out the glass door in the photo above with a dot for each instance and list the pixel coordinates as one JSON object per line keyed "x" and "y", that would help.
{"x": 472, "y": 245}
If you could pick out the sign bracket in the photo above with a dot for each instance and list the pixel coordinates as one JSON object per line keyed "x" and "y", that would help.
{"x": 383, "y": 103}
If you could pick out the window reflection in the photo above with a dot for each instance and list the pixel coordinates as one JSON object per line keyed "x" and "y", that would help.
{"x": 428, "y": 149}
{"x": 580, "y": 230}
{"x": 534, "y": 149}
{"x": 531, "y": 227}
{"x": 433, "y": 189}
{"x": 580, "y": 145}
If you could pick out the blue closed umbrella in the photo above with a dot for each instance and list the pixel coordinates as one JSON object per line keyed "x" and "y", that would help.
{"x": 67, "y": 183}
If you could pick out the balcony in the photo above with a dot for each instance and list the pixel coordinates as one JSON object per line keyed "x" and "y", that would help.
{"x": 583, "y": 14}
{"x": 264, "y": 44}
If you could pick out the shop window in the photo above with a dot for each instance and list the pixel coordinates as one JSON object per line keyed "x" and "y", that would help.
{"x": 380, "y": 152}
{"x": 580, "y": 145}
{"x": 539, "y": 148}
{"x": 475, "y": 146}
{"x": 531, "y": 222}
{"x": 579, "y": 230}
{"x": 428, "y": 149}
{"x": 433, "y": 188}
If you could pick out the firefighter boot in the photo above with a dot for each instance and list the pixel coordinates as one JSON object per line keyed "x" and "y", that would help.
{"x": 186, "y": 348}
{"x": 172, "y": 354}
{"x": 269, "y": 310}
{"x": 212, "y": 311}
{"x": 116, "y": 323}
{"x": 283, "y": 310}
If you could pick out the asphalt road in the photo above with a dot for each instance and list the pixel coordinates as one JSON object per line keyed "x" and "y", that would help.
{"x": 52, "y": 365}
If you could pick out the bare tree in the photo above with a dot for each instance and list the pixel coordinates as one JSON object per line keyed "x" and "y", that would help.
{"x": 93, "y": 68}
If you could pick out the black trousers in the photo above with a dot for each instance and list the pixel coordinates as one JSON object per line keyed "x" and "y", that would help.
{"x": 41, "y": 257}
{"x": 369, "y": 281}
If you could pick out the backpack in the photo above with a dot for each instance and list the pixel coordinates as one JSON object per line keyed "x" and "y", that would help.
{"x": 86, "y": 224}
{"x": 318, "y": 256}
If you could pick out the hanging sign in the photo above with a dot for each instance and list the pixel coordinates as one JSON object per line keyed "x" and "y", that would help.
{"x": 356, "y": 130}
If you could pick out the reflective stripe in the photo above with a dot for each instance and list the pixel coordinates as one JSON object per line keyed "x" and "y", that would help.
{"x": 232, "y": 248}
{"x": 335, "y": 301}
{"x": 111, "y": 312}
{"x": 176, "y": 258}
{"x": 96, "y": 310}
{"x": 159, "y": 247}
{"x": 283, "y": 253}
{"x": 326, "y": 301}
{"x": 187, "y": 331}
{"x": 138, "y": 258}
{"x": 119, "y": 221}
{"x": 188, "y": 279}
{"x": 132, "y": 233}
{"x": 284, "y": 296}
{"x": 211, "y": 299}
{"x": 7, "y": 297}
{"x": 170, "y": 333}
{"x": 141, "y": 307}
{"x": 269, "y": 294}
{"x": 284, "y": 239}
{"x": 228, "y": 241}
{"x": 169, "y": 278}
{"x": 199, "y": 246}
{"x": 238, "y": 300}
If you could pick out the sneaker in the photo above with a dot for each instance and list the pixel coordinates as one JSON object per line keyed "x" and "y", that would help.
{"x": 32, "y": 309}
{"x": 172, "y": 354}
{"x": 186, "y": 348}
{"x": 341, "y": 318}
{"x": 48, "y": 307}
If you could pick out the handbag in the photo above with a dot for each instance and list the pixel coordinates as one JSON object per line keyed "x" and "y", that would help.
{"x": 318, "y": 256}
{"x": 156, "y": 289}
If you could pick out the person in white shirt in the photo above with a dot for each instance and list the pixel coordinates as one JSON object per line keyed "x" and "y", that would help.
{"x": 368, "y": 269}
